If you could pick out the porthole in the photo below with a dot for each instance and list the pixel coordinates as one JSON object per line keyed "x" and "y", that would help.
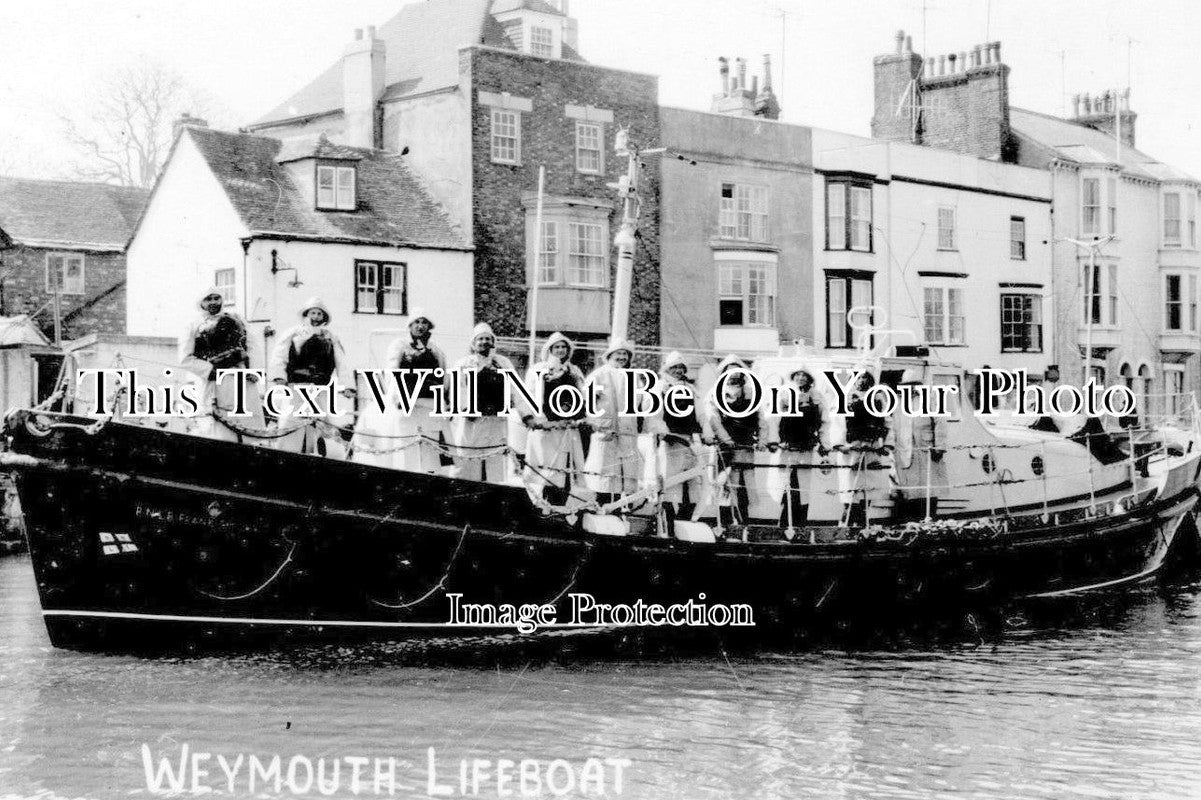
{"x": 1037, "y": 466}
{"x": 986, "y": 463}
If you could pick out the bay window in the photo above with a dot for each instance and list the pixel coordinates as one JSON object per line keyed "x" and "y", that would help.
{"x": 848, "y": 216}
{"x": 1091, "y": 202}
{"x": 746, "y": 292}
{"x": 1171, "y": 219}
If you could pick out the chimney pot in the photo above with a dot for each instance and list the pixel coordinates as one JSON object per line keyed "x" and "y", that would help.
{"x": 766, "y": 72}
{"x": 370, "y": 33}
{"x": 358, "y": 34}
{"x": 741, "y": 62}
{"x": 930, "y": 67}
{"x": 908, "y": 44}
{"x": 997, "y": 50}
{"x": 951, "y": 60}
{"x": 942, "y": 65}
{"x": 900, "y": 41}
{"x": 963, "y": 61}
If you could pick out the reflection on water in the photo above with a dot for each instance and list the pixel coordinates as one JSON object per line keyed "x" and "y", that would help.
{"x": 1095, "y": 699}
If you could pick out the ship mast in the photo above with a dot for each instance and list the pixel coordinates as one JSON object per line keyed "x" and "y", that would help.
{"x": 624, "y": 240}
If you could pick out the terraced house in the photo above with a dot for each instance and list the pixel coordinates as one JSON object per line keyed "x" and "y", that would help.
{"x": 66, "y": 238}
{"x": 475, "y": 97}
{"x": 1124, "y": 243}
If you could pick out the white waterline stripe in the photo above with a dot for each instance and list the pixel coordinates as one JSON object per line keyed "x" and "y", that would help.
{"x": 336, "y": 623}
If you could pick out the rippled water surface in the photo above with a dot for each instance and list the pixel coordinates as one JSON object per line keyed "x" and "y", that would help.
{"x": 1102, "y": 700}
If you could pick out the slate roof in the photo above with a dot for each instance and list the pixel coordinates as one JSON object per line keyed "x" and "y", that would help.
{"x": 422, "y": 55}
{"x": 394, "y": 208}
{"x": 69, "y": 214}
{"x": 501, "y": 6}
{"x": 1056, "y": 137}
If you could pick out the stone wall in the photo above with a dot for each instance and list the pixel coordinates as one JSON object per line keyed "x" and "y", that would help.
{"x": 101, "y": 309}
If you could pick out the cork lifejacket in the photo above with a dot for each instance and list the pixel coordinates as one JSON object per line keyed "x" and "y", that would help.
{"x": 312, "y": 362}
{"x": 413, "y": 359}
{"x": 222, "y": 343}
{"x": 802, "y": 432}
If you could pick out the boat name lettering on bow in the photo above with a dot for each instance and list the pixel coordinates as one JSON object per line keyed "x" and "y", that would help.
{"x": 194, "y": 772}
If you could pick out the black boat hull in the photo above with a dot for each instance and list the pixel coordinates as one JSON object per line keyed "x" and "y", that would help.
{"x": 142, "y": 539}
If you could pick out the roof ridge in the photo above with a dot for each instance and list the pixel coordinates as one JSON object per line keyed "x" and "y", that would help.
{"x": 67, "y": 182}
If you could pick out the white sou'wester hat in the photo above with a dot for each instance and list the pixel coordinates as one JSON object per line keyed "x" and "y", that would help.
{"x": 616, "y": 345}
{"x": 674, "y": 359}
{"x": 419, "y": 313}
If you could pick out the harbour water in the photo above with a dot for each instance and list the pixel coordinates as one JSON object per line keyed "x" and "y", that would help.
{"x": 1100, "y": 699}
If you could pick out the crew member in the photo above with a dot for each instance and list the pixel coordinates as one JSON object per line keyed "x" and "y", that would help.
{"x": 480, "y": 440}
{"x": 798, "y": 442}
{"x": 865, "y": 477}
{"x": 614, "y": 462}
{"x": 217, "y": 341}
{"x": 921, "y": 443}
{"x": 737, "y": 438}
{"x": 420, "y": 433}
{"x": 554, "y": 451}
{"x": 311, "y": 356}
{"x": 680, "y": 435}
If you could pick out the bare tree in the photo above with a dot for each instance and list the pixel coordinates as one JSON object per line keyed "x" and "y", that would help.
{"x": 124, "y": 131}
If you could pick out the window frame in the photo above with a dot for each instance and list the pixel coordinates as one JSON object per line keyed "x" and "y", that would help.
{"x": 745, "y": 264}
{"x": 557, "y": 269}
{"x": 571, "y": 253}
{"x": 549, "y": 44}
{"x": 946, "y": 318}
{"x": 952, "y": 230}
{"x": 493, "y": 136}
{"x": 849, "y": 279}
{"x": 1032, "y": 305}
{"x": 335, "y": 200}
{"x": 1173, "y": 395}
{"x": 229, "y": 291}
{"x": 846, "y": 219}
{"x": 378, "y": 286}
{"x": 741, "y": 209}
{"x": 580, "y": 125}
{"x": 1105, "y": 297}
{"x": 1178, "y": 240}
{"x": 1017, "y": 245}
{"x": 64, "y": 289}
{"x": 1086, "y": 207}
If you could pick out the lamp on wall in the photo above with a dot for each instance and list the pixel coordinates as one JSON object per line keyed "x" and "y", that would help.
{"x": 276, "y": 268}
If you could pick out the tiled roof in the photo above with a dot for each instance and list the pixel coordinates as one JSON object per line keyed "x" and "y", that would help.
{"x": 1067, "y": 140}
{"x": 393, "y": 209}
{"x": 501, "y": 6}
{"x": 96, "y": 216}
{"x": 421, "y": 54}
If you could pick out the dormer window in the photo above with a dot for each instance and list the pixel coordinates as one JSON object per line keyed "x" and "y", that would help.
{"x": 336, "y": 188}
{"x": 542, "y": 42}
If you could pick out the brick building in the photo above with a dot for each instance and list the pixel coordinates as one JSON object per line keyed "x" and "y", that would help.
{"x": 73, "y": 235}
{"x": 1138, "y": 322}
{"x": 475, "y": 96}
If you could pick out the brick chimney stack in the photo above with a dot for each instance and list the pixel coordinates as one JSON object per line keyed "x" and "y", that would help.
{"x": 962, "y": 99}
{"x": 894, "y": 74}
{"x": 186, "y": 120}
{"x": 740, "y": 99}
{"x": 1099, "y": 113}
{"x": 362, "y": 87}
